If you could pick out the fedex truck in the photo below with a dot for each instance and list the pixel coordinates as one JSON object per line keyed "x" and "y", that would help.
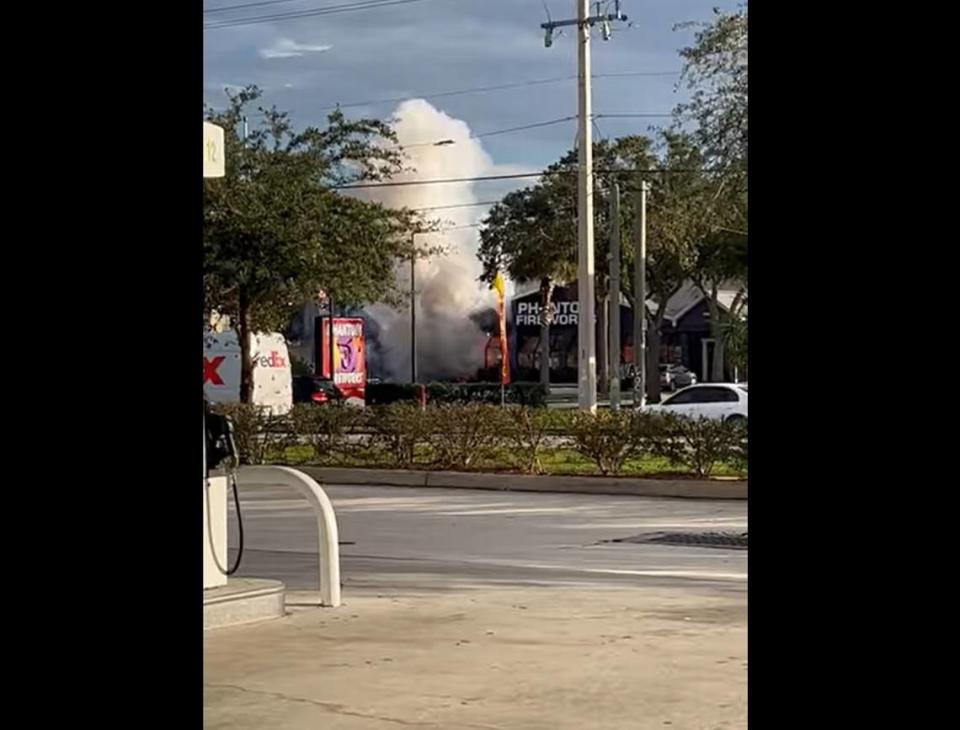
{"x": 272, "y": 379}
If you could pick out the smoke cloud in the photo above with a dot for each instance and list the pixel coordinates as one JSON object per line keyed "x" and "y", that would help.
{"x": 449, "y": 344}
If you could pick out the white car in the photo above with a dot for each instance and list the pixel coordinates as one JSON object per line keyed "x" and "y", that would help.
{"x": 717, "y": 401}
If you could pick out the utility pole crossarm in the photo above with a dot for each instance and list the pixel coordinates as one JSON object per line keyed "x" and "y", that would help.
{"x": 591, "y": 20}
{"x": 586, "y": 21}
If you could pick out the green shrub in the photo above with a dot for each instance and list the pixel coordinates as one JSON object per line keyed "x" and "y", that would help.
{"x": 699, "y": 443}
{"x": 560, "y": 420}
{"x": 532, "y": 395}
{"x": 738, "y": 451}
{"x": 329, "y": 430}
{"x": 478, "y": 435}
{"x": 255, "y": 430}
{"x": 528, "y": 394}
{"x": 460, "y": 436}
{"x": 398, "y": 430}
{"x": 526, "y": 432}
{"x": 607, "y": 438}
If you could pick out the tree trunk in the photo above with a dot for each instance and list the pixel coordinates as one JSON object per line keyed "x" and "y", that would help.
{"x": 653, "y": 358}
{"x": 734, "y": 348}
{"x": 719, "y": 370}
{"x": 716, "y": 332}
{"x": 546, "y": 317}
{"x": 602, "y": 348}
{"x": 545, "y": 355}
{"x": 246, "y": 361}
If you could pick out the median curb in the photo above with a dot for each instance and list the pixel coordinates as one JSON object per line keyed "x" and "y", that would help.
{"x": 623, "y": 486}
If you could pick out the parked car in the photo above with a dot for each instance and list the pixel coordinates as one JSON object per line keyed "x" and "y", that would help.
{"x": 674, "y": 377}
{"x": 313, "y": 389}
{"x": 717, "y": 401}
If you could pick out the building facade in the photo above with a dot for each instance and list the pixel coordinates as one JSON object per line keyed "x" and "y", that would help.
{"x": 685, "y": 337}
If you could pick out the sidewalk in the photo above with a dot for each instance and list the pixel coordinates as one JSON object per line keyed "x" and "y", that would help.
{"x": 500, "y": 659}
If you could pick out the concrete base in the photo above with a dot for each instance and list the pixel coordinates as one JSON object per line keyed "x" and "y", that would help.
{"x": 215, "y": 531}
{"x": 242, "y": 601}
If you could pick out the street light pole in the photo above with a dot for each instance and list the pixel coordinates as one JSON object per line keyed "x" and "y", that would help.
{"x": 413, "y": 310}
{"x": 331, "y": 340}
{"x": 614, "y": 312}
{"x": 640, "y": 299}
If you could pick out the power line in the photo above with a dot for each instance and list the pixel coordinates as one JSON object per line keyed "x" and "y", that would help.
{"x": 484, "y": 89}
{"x": 521, "y": 128}
{"x": 631, "y": 116}
{"x": 534, "y": 125}
{"x": 497, "y": 87}
{"x": 459, "y": 205}
{"x": 437, "y": 181}
{"x": 325, "y": 10}
{"x": 510, "y": 176}
{"x": 226, "y": 8}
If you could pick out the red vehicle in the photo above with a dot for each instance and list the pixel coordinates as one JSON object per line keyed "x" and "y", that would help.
{"x": 314, "y": 389}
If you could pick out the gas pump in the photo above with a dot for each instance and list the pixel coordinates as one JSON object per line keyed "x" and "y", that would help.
{"x": 265, "y": 598}
{"x": 218, "y": 448}
{"x": 221, "y": 456}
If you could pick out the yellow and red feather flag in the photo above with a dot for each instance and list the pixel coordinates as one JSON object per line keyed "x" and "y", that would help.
{"x": 499, "y": 286}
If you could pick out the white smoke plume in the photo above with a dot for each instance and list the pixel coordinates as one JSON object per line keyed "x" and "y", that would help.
{"x": 449, "y": 344}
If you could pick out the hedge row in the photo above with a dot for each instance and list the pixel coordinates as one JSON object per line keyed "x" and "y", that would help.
{"x": 466, "y": 436}
{"x": 524, "y": 394}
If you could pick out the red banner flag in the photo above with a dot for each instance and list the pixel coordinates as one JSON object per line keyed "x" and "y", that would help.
{"x": 500, "y": 288}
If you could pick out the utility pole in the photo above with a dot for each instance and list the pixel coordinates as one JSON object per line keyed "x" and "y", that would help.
{"x": 586, "y": 332}
{"x": 413, "y": 308}
{"x": 332, "y": 344}
{"x": 640, "y": 299}
{"x": 613, "y": 314}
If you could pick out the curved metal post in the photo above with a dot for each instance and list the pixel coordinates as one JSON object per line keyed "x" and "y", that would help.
{"x": 326, "y": 526}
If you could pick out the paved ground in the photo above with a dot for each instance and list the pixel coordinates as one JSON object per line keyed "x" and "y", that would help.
{"x": 402, "y": 539}
{"x": 471, "y": 609}
{"x": 497, "y": 659}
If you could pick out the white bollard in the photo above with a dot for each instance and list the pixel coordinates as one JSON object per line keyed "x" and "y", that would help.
{"x": 326, "y": 526}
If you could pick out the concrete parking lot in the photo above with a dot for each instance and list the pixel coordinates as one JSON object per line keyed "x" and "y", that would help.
{"x": 468, "y": 609}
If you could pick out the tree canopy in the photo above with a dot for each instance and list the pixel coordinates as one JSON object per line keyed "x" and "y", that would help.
{"x": 275, "y": 231}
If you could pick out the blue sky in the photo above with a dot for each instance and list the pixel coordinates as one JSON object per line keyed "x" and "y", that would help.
{"x": 415, "y": 49}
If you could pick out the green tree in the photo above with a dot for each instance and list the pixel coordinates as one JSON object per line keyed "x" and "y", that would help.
{"x": 672, "y": 232}
{"x": 522, "y": 237}
{"x": 715, "y": 70}
{"x": 532, "y": 233}
{"x": 721, "y": 262}
{"x": 274, "y": 232}
{"x": 735, "y": 332}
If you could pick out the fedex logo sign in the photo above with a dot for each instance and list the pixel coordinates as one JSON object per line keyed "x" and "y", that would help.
{"x": 273, "y": 360}
{"x": 210, "y": 367}
{"x": 218, "y": 370}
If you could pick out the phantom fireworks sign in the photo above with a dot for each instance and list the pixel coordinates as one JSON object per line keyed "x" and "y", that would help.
{"x": 349, "y": 357}
{"x": 567, "y": 313}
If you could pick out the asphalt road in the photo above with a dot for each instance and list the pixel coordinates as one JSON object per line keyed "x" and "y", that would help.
{"x": 403, "y": 540}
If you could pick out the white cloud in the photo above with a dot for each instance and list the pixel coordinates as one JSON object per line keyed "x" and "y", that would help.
{"x": 289, "y": 48}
